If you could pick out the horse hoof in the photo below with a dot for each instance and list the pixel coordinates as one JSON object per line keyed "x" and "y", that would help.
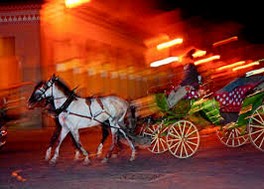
{"x": 98, "y": 155}
{"x": 114, "y": 156}
{"x": 105, "y": 160}
{"x": 76, "y": 159}
{"x": 87, "y": 163}
{"x": 52, "y": 162}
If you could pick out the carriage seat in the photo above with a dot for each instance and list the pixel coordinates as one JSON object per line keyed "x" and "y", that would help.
{"x": 232, "y": 101}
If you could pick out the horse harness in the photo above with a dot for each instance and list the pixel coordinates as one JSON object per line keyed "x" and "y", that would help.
{"x": 68, "y": 101}
{"x": 72, "y": 97}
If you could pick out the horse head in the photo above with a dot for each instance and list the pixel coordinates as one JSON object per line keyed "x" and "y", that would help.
{"x": 42, "y": 93}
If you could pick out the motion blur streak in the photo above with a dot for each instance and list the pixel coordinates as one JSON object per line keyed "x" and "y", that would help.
{"x": 75, "y": 3}
{"x": 169, "y": 43}
{"x": 231, "y": 65}
{"x": 215, "y": 57}
{"x": 164, "y": 61}
{"x": 245, "y": 66}
{"x": 225, "y": 41}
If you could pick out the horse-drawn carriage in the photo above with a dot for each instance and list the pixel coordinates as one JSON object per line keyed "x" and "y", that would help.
{"x": 237, "y": 108}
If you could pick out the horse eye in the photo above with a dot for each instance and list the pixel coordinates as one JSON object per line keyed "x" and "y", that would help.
{"x": 38, "y": 96}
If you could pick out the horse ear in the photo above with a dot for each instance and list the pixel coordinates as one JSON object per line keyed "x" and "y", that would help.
{"x": 54, "y": 76}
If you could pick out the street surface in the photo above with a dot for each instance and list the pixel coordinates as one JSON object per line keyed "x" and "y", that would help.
{"x": 214, "y": 166}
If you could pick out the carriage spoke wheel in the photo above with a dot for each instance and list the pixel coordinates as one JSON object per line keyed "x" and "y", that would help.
{"x": 256, "y": 128}
{"x": 232, "y": 137}
{"x": 157, "y": 132}
{"x": 183, "y": 139}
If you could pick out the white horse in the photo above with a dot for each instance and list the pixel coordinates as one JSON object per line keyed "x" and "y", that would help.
{"x": 74, "y": 113}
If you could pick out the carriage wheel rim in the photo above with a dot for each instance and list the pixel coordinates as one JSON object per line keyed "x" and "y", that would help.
{"x": 232, "y": 137}
{"x": 183, "y": 139}
{"x": 158, "y": 141}
{"x": 256, "y": 128}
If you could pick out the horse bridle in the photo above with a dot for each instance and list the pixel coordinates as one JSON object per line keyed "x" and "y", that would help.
{"x": 45, "y": 87}
{"x": 65, "y": 105}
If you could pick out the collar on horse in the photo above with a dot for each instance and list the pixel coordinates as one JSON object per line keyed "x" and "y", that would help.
{"x": 65, "y": 105}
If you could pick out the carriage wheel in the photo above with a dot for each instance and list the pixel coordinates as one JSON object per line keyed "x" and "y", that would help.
{"x": 157, "y": 132}
{"x": 256, "y": 128}
{"x": 232, "y": 137}
{"x": 183, "y": 139}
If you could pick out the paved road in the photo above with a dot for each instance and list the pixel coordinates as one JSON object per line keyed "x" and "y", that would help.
{"x": 214, "y": 166}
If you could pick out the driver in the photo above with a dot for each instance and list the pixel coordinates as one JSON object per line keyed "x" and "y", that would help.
{"x": 191, "y": 80}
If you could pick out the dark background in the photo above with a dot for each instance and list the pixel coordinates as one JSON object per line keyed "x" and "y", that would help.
{"x": 247, "y": 13}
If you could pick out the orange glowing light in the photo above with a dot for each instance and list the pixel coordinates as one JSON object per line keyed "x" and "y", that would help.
{"x": 75, "y": 3}
{"x": 164, "y": 61}
{"x": 225, "y": 41}
{"x": 231, "y": 65}
{"x": 199, "y": 53}
{"x": 245, "y": 66}
{"x": 215, "y": 57}
{"x": 169, "y": 43}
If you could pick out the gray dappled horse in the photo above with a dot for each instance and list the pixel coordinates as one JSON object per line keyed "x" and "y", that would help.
{"x": 74, "y": 112}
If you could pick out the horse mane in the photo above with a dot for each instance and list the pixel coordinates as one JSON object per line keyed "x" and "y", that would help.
{"x": 64, "y": 87}
{"x": 40, "y": 83}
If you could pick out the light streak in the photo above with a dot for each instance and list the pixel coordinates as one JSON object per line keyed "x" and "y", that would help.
{"x": 219, "y": 75}
{"x": 164, "y": 61}
{"x": 169, "y": 43}
{"x": 225, "y": 41}
{"x": 215, "y": 57}
{"x": 231, "y": 65}
{"x": 255, "y": 72}
{"x": 75, "y": 3}
{"x": 199, "y": 53}
{"x": 245, "y": 66}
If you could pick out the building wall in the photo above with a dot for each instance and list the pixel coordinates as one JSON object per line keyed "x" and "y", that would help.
{"x": 92, "y": 52}
{"x": 20, "y": 58}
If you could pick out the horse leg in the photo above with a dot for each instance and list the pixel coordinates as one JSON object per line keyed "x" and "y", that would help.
{"x": 63, "y": 134}
{"x": 76, "y": 138}
{"x": 105, "y": 133}
{"x": 114, "y": 141}
{"x": 133, "y": 149}
{"x": 53, "y": 139}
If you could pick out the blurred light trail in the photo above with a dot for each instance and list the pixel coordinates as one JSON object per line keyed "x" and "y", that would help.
{"x": 246, "y": 66}
{"x": 255, "y": 72}
{"x": 231, "y": 65}
{"x": 75, "y": 3}
{"x": 169, "y": 43}
{"x": 164, "y": 61}
{"x": 225, "y": 41}
{"x": 220, "y": 75}
{"x": 199, "y": 53}
{"x": 215, "y": 57}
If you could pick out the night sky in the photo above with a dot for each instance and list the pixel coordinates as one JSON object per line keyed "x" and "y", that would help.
{"x": 247, "y": 13}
